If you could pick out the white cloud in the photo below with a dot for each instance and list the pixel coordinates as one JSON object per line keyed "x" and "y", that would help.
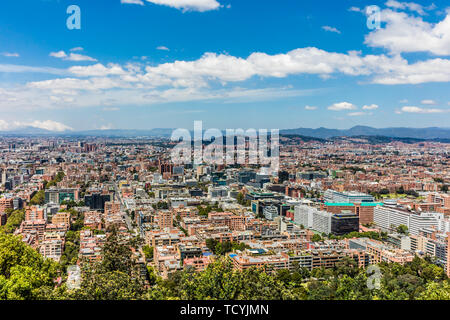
{"x": 433, "y": 70}
{"x": 59, "y": 54}
{"x": 414, "y": 109}
{"x": 92, "y": 85}
{"x": 299, "y": 61}
{"x": 310, "y": 107}
{"x": 97, "y": 70}
{"x": 49, "y": 125}
{"x": 356, "y": 114}
{"x": 330, "y": 29}
{"x": 79, "y": 57}
{"x": 225, "y": 68}
{"x": 62, "y": 99}
{"x": 99, "y": 92}
{"x": 11, "y": 54}
{"x": 46, "y": 125}
{"x": 164, "y": 48}
{"x": 411, "y": 6}
{"x": 4, "y": 125}
{"x": 111, "y": 109}
{"x": 71, "y": 57}
{"x": 106, "y": 127}
{"x": 139, "y": 2}
{"x": 405, "y": 33}
{"x": 77, "y": 49}
{"x": 189, "y": 5}
{"x": 342, "y": 106}
{"x": 387, "y": 70}
{"x": 370, "y": 107}
{"x": 428, "y": 102}
{"x": 13, "y": 68}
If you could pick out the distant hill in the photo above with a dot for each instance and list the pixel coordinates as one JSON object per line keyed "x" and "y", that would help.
{"x": 303, "y": 138}
{"x": 383, "y": 139}
{"x": 400, "y": 132}
{"x": 306, "y": 134}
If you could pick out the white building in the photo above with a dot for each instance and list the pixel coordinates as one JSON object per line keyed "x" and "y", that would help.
{"x": 322, "y": 221}
{"x": 270, "y": 212}
{"x": 303, "y": 215}
{"x": 391, "y": 218}
{"x": 312, "y": 218}
{"x": 217, "y": 192}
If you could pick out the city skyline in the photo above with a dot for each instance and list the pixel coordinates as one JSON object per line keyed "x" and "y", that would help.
{"x": 155, "y": 64}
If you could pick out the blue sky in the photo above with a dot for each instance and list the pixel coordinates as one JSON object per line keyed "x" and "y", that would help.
{"x": 231, "y": 63}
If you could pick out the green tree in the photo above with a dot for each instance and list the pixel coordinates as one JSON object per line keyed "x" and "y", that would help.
{"x": 436, "y": 291}
{"x": 14, "y": 220}
{"x": 116, "y": 254}
{"x": 148, "y": 252}
{"x": 402, "y": 229}
{"x": 112, "y": 285}
{"x": 24, "y": 273}
{"x": 38, "y": 198}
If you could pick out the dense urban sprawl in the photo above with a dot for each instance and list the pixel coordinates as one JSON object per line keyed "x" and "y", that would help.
{"x": 114, "y": 218}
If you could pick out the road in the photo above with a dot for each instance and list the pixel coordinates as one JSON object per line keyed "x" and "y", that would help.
{"x": 125, "y": 216}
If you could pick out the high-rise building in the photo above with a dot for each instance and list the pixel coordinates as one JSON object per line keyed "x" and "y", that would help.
{"x": 322, "y": 221}
{"x": 270, "y": 212}
{"x": 165, "y": 219}
{"x": 35, "y": 213}
{"x": 112, "y": 207}
{"x": 62, "y": 218}
{"x": 96, "y": 201}
{"x": 343, "y": 223}
{"x": 6, "y": 203}
{"x": 303, "y": 215}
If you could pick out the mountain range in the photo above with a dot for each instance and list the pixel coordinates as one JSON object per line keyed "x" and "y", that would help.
{"x": 323, "y": 133}
{"x": 395, "y": 132}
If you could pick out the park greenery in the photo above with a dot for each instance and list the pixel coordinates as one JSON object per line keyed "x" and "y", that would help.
{"x": 221, "y": 248}
{"x": 15, "y": 218}
{"x": 25, "y": 274}
{"x": 204, "y": 210}
{"x": 242, "y": 201}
